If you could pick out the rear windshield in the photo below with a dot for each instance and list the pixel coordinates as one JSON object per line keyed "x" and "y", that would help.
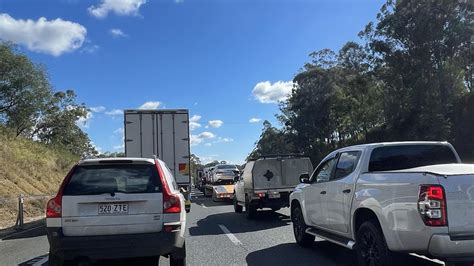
{"x": 226, "y": 167}
{"x": 409, "y": 156}
{"x": 100, "y": 179}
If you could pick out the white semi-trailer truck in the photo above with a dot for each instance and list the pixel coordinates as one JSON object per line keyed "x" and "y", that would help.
{"x": 163, "y": 134}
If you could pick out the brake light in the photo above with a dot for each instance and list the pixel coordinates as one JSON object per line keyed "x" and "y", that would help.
{"x": 260, "y": 194}
{"x": 171, "y": 201}
{"x": 432, "y": 205}
{"x": 54, "y": 207}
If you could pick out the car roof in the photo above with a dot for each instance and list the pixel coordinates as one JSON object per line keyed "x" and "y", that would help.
{"x": 395, "y": 143}
{"x": 117, "y": 160}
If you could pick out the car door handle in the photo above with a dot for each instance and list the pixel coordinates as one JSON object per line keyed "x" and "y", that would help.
{"x": 323, "y": 192}
{"x": 346, "y": 191}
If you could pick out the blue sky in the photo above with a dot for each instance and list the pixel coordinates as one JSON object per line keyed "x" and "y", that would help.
{"x": 227, "y": 61}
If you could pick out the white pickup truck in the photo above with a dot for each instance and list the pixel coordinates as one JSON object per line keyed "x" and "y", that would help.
{"x": 383, "y": 198}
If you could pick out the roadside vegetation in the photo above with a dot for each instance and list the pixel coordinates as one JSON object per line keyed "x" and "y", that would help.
{"x": 40, "y": 134}
{"x": 410, "y": 77}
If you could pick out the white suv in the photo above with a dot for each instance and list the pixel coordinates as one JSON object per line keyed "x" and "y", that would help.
{"x": 117, "y": 208}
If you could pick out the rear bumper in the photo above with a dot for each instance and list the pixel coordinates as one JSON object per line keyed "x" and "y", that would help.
{"x": 115, "y": 246}
{"x": 266, "y": 202}
{"x": 452, "y": 250}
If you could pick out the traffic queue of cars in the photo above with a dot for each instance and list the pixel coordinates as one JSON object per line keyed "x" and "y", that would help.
{"x": 377, "y": 199}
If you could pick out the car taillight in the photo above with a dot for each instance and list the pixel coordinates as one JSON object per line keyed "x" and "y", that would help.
{"x": 260, "y": 194}
{"x": 54, "y": 207}
{"x": 432, "y": 205}
{"x": 171, "y": 201}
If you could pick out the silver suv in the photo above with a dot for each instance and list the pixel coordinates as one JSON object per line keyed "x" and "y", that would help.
{"x": 117, "y": 208}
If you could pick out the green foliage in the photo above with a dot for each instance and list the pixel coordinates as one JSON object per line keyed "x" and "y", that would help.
{"x": 272, "y": 141}
{"x": 411, "y": 80}
{"x": 29, "y": 105}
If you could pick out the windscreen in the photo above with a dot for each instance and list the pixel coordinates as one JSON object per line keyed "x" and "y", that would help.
{"x": 100, "y": 179}
{"x": 409, "y": 156}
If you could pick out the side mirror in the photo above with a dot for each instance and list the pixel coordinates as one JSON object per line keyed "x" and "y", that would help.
{"x": 236, "y": 178}
{"x": 304, "y": 178}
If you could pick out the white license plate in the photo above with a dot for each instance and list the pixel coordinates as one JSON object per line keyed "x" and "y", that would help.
{"x": 113, "y": 209}
{"x": 273, "y": 195}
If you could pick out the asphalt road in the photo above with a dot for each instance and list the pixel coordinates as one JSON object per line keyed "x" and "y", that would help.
{"x": 215, "y": 236}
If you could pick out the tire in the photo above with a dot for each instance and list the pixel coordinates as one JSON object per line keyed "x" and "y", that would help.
{"x": 237, "y": 207}
{"x": 299, "y": 229}
{"x": 54, "y": 260}
{"x": 250, "y": 210}
{"x": 371, "y": 248}
{"x": 181, "y": 261}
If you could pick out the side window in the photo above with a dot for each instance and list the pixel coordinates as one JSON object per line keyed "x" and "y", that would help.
{"x": 346, "y": 164}
{"x": 323, "y": 173}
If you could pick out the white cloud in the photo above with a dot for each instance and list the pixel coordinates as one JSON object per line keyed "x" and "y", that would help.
{"x": 97, "y": 109}
{"x": 119, "y": 7}
{"x": 53, "y": 37}
{"x": 84, "y": 122}
{"x": 90, "y": 49}
{"x": 265, "y": 92}
{"x": 194, "y": 125}
{"x": 119, "y": 131}
{"x": 195, "y": 118}
{"x": 216, "y": 123}
{"x": 119, "y": 147}
{"x": 114, "y": 112}
{"x": 208, "y": 144}
{"x": 198, "y": 139}
{"x": 254, "y": 120}
{"x": 193, "y": 122}
{"x": 117, "y": 33}
{"x": 150, "y": 105}
{"x": 221, "y": 139}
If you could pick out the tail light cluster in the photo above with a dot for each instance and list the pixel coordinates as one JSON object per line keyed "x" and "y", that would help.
{"x": 432, "y": 205}
{"x": 260, "y": 194}
{"x": 171, "y": 201}
{"x": 54, "y": 205}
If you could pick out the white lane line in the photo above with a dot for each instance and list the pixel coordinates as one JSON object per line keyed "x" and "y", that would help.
{"x": 41, "y": 262}
{"x": 230, "y": 235}
{"x": 204, "y": 206}
{"x": 426, "y": 258}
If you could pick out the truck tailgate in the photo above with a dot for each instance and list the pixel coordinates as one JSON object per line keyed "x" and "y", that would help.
{"x": 459, "y": 191}
{"x": 458, "y": 183}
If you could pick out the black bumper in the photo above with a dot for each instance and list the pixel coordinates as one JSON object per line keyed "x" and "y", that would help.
{"x": 115, "y": 246}
{"x": 283, "y": 201}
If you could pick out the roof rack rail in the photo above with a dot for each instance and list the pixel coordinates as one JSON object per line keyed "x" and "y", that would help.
{"x": 289, "y": 155}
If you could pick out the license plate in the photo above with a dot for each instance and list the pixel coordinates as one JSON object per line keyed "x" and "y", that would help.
{"x": 113, "y": 209}
{"x": 273, "y": 195}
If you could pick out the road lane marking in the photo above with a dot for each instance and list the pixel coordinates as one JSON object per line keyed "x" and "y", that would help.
{"x": 41, "y": 262}
{"x": 428, "y": 259}
{"x": 230, "y": 235}
{"x": 204, "y": 206}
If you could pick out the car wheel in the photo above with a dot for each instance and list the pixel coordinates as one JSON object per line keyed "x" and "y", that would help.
{"x": 299, "y": 229}
{"x": 237, "y": 207}
{"x": 250, "y": 210}
{"x": 54, "y": 260}
{"x": 371, "y": 248}
{"x": 178, "y": 261}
